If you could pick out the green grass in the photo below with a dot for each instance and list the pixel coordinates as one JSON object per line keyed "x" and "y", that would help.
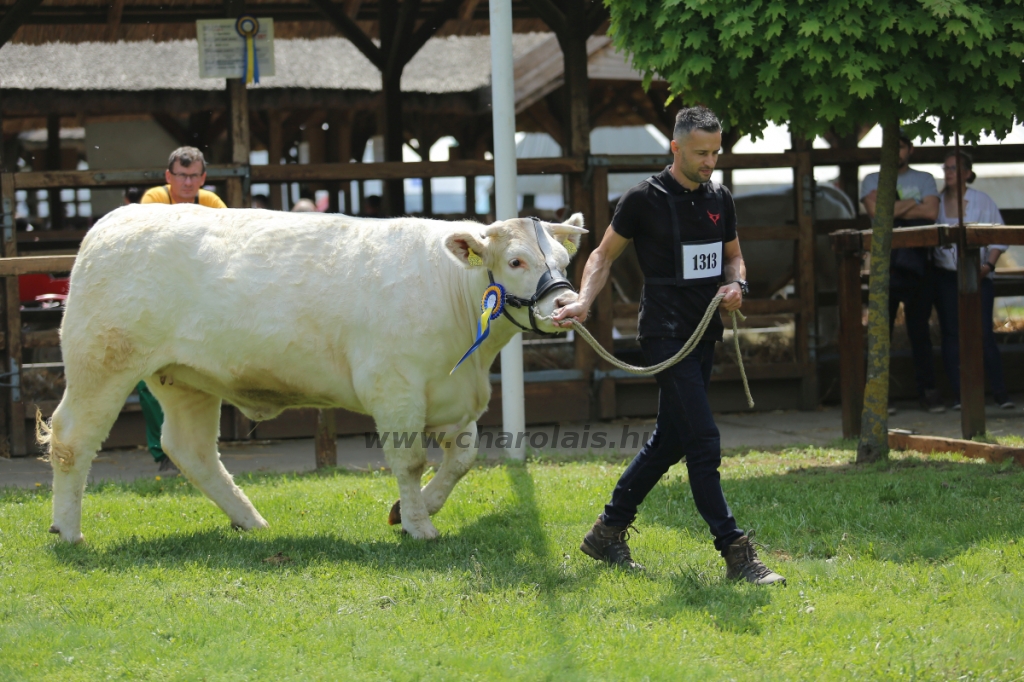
{"x": 913, "y": 569}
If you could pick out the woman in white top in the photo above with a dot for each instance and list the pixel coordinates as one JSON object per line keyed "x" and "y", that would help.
{"x": 978, "y": 208}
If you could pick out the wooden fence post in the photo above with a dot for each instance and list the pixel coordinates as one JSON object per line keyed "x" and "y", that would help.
{"x": 847, "y": 245}
{"x": 972, "y": 365}
{"x": 806, "y": 330}
{"x": 326, "y": 439}
{"x": 604, "y": 317}
{"x": 12, "y": 308}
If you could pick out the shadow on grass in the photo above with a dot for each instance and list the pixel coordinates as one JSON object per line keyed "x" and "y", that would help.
{"x": 902, "y": 510}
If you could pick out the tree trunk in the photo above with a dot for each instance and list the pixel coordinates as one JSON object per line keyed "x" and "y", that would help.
{"x": 874, "y": 432}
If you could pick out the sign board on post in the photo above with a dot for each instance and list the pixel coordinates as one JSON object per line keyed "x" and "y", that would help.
{"x": 222, "y": 50}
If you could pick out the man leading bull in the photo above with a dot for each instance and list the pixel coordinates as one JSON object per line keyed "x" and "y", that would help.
{"x": 683, "y": 226}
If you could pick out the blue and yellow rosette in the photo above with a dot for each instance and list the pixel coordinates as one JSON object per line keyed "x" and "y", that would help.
{"x": 248, "y": 26}
{"x": 491, "y": 306}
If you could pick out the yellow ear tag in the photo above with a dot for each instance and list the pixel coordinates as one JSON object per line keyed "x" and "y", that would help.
{"x": 474, "y": 259}
{"x": 570, "y": 247}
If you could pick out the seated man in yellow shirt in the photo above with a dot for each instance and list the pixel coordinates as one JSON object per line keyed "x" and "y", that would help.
{"x": 185, "y": 176}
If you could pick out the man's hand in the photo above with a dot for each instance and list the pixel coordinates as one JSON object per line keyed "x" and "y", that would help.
{"x": 733, "y": 297}
{"x": 571, "y": 307}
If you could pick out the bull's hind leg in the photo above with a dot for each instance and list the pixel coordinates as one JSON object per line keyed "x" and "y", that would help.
{"x": 78, "y": 427}
{"x": 459, "y": 453}
{"x": 191, "y": 427}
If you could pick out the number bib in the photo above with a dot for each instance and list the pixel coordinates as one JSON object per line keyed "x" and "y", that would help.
{"x": 702, "y": 260}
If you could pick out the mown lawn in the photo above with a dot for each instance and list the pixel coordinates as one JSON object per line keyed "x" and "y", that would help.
{"x": 909, "y": 570}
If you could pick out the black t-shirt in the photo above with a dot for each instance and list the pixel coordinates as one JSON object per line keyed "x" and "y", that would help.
{"x": 644, "y": 215}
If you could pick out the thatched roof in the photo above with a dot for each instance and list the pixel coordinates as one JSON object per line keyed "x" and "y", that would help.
{"x": 444, "y": 65}
{"x": 79, "y": 21}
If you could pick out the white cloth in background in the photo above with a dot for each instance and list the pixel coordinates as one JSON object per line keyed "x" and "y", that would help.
{"x": 978, "y": 208}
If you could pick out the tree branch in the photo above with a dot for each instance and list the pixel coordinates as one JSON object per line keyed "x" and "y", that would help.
{"x": 14, "y": 17}
{"x": 336, "y": 15}
{"x": 552, "y": 16}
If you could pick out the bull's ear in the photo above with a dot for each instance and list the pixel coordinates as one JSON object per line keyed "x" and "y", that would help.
{"x": 468, "y": 248}
{"x": 569, "y": 232}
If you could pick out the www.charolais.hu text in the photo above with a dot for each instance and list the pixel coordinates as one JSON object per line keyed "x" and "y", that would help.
{"x": 568, "y": 439}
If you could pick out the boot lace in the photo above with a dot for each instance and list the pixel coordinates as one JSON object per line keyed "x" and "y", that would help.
{"x": 751, "y": 564}
{"x": 618, "y": 551}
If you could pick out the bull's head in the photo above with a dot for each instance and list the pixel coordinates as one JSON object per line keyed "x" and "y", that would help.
{"x": 529, "y": 258}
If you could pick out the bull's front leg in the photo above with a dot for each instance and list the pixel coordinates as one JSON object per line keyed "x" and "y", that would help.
{"x": 407, "y": 461}
{"x": 459, "y": 455}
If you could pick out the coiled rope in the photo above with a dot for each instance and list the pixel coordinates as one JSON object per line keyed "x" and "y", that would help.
{"x": 687, "y": 348}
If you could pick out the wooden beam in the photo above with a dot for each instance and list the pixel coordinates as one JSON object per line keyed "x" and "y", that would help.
{"x": 900, "y": 440}
{"x": 751, "y": 306}
{"x": 28, "y": 265}
{"x": 114, "y": 19}
{"x": 468, "y": 9}
{"x": 551, "y": 14}
{"x": 14, "y": 17}
{"x": 12, "y": 318}
{"x": 46, "y": 338}
{"x": 339, "y": 17}
{"x": 352, "y": 8}
{"x": 171, "y": 126}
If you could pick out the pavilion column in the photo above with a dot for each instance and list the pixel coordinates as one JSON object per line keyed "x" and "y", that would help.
{"x": 238, "y": 130}
{"x": 806, "y": 337}
{"x": 339, "y": 150}
{"x": 53, "y": 163}
{"x": 275, "y": 152}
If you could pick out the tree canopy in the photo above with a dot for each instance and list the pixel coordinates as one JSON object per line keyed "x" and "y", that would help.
{"x": 821, "y": 64}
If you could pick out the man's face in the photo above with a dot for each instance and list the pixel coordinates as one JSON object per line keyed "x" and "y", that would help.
{"x": 905, "y": 151}
{"x": 185, "y": 182}
{"x": 696, "y": 153}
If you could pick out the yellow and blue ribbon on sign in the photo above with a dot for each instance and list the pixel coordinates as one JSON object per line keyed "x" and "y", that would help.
{"x": 247, "y": 26}
{"x": 491, "y": 306}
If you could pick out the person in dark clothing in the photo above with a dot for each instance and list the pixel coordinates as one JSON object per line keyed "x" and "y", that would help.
{"x": 910, "y": 271}
{"x": 683, "y": 226}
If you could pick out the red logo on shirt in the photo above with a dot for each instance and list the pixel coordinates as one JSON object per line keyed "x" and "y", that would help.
{"x": 714, "y": 217}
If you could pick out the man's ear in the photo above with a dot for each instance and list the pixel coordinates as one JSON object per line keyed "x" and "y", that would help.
{"x": 468, "y": 248}
{"x": 569, "y": 232}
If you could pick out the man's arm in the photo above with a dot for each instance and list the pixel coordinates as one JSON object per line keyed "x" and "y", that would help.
{"x": 595, "y": 275}
{"x": 928, "y": 209}
{"x": 734, "y": 269}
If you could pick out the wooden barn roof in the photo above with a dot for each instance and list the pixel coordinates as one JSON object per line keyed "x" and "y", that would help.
{"x": 81, "y": 21}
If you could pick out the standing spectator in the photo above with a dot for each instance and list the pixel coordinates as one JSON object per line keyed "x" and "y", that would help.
{"x": 978, "y": 208}
{"x": 132, "y": 195}
{"x": 910, "y": 269}
{"x": 185, "y": 176}
{"x": 261, "y": 201}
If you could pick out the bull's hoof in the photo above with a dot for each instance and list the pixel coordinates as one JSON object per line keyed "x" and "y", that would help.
{"x": 395, "y": 515}
{"x": 55, "y": 530}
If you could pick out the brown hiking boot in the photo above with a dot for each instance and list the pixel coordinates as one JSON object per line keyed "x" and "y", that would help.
{"x": 608, "y": 544}
{"x": 741, "y": 562}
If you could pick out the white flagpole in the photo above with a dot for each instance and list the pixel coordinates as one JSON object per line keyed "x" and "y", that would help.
{"x": 503, "y": 110}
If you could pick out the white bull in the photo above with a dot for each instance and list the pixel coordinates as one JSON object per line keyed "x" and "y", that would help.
{"x": 271, "y": 311}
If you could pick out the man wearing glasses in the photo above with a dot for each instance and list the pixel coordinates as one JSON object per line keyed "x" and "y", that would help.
{"x": 185, "y": 176}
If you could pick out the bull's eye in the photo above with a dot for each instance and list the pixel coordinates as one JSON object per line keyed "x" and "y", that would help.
{"x": 515, "y": 263}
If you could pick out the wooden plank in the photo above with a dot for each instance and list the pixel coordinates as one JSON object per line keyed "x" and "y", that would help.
{"x": 326, "y": 440}
{"x": 110, "y": 178}
{"x": 27, "y": 265}
{"x": 44, "y": 236}
{"x": 1012, "y": 235}
{"x": 900, "y": 440}
{"x": 994, "y": 153}
{"x": 605, "y": 404}
{"x": 751, "y": 306}
{"x": 851, "y": 342}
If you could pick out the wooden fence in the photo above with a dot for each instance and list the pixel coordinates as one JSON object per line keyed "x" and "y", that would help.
{"x": 591, "y": 380}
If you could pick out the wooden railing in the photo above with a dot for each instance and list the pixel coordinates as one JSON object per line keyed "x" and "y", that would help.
{"x": 592, "y": 171}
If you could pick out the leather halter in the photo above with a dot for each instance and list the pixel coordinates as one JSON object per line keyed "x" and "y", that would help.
{"x": 550, "y": 280}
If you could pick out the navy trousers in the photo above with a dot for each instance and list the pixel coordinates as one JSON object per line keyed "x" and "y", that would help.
{"x": 915, "y": 295}
{"x": 685, "y": 428}
{"x": 946, "y": 300}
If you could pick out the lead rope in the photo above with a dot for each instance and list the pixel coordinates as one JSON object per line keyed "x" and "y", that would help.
{"x": 687, "y": 348}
